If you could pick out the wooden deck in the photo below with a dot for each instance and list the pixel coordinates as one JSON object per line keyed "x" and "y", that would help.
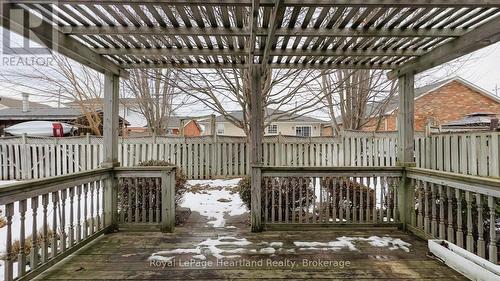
{"x": 125, "y": 255}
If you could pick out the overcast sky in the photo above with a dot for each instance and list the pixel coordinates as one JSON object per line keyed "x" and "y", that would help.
{"x": 481, "y": 68}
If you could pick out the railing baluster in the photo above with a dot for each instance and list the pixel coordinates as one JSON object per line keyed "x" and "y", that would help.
{"x": 374, "y": 198}
{"x": 21, "y": 258}
{"x": 426, "y": 208}
{"x": 158, "y": 192}
{"x": 294, "y": 199}
{"x": 308, "y": 185}
{"x": 341, "y": 199}
{"x": 354, "y": 201}
{"x": 98, "y": 210}
{"x": 389, "y": 200}
{"x": 151, "y": 199}
{"x": 45, "y": 232}
{"x": 34, "y": 234}
{"x": 280, "y": 186}
{"x": 273, "y": 200}
{"x": 143, "y": 194}
{"x": 470, "y": 238}
{"x": 287, "y": 202}
{"x": 449, "y": 198}
{"x": 442, "y": 227}
{"x": 334, "y": 191}
{"x": 63, "y": 219}
{"x": 129, "y": 198}
{"x": 85, "y": 211}
{"x": 480, "y": 226}
{"x": 121, "y": 194}
{"x": 53, "y": 246}
{"x": 420, "y": 218}
{"x": 492, "y": 247}
{"x": 321, "y": 203}
{"x": 434, "y": 225}
{"x": 78, "y": 213}
{"x": 459, "y": 232}
{"x": 361, "y": 208}
{"x": 348, "y": 200}
{"x": 382, "y": 199}
{"x": 8, "y": 263}
{"x": 71, "y": 216}
{"x": 395, "y": 214}
{"x": 92, "y": 224}
{"x": 136, "y": 215}
{"x": 368, "y": 199}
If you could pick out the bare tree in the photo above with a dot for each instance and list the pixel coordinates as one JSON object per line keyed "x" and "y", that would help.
{"x": 285, "y": 94}
{"x": 66, "y": 80}
{"x": 354, "y": 98}
{"x": 154, "y": 96}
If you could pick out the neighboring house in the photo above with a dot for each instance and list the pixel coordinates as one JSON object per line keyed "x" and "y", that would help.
{"x": 128, "y": 109}
{"x": 440, "y": 103}
{"x": 473, "y": 121}
{"x": 294, "y": 125}
{"x": 15, "y": 115}
{"x": 6, "y": 102}
{"x": 184, "y": 126}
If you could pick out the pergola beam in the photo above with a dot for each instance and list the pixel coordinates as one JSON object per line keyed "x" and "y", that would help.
{"x": 59, "y": 42}
{"x": 309, "y": 3}
{"x": 243, "y": 65}
{"x": 278, "y": 7}
{"x": 241, "y": 52}
{"x": 483, "y": 36}
{"x": 282, "y": 31}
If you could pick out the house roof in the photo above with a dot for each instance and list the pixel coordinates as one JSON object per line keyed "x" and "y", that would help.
{"x": 40, "y": 114}
{"x": 287, "y": 117}
{"x": 99, "y": 101}
{"x": 17, "y": 103}
{"x": 53, "y": 113}
{"x": 393, "y": 104}
{"x": 473, "y": 119}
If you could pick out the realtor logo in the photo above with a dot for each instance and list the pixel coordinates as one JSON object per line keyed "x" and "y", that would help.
{"x": 19, "y": 24}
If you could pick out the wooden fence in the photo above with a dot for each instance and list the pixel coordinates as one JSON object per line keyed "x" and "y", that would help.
{"x": 223, "y": 156}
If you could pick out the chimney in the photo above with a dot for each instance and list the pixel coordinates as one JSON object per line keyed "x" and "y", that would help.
{"x": 26, "y": 102}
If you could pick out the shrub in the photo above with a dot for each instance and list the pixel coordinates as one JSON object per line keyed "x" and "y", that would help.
{"x": 301, "y": 199}
{"x": 180, "y": 178}
{"x": 145, "y": 200}
{"x": 244, "y": 190}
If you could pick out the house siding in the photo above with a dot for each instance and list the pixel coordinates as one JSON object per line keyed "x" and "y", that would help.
{"x": 450, "y": 102}
{"x": 284, "y": 128}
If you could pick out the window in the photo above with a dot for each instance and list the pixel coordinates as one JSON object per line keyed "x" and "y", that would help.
{"x": 220, "y": 129}
{"x": 303, "y": 131}
{"x": 272, "y": 129}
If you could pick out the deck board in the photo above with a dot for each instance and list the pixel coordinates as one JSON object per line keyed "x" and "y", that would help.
{"x": 124, "y": 255}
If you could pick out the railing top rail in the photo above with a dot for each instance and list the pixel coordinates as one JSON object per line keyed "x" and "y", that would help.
{"x": 322, "y": 171}
{"x": 142, "y": 171}
{"x": 483, "y": 185}
{"x": 26, "y": 189}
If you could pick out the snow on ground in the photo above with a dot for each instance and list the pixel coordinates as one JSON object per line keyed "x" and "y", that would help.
{"x": 214, "y": 199}
{"x": 224, "y": 247}
{"x": 348, "y": 242}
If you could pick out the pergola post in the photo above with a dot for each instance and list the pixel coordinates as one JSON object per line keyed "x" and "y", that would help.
{"x": 110, "y": 146}
{"x": 406, "y": 144}
{"x": 256, "y": 123}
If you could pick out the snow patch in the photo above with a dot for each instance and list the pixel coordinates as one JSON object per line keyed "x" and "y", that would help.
{"x": 207, "y": 202}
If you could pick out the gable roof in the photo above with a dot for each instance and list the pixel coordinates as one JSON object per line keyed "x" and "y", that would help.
{"x": 238, "y": 114}
{"x": 17, "y": 103}
{"x": 393, "y": 104}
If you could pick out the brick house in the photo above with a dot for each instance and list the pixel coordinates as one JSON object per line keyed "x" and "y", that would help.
{"x": 440, "y": 103}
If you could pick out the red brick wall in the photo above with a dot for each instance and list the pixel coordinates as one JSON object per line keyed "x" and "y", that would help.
{"x": 451, "y": 102}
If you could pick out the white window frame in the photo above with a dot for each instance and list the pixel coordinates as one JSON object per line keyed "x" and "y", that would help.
{"x": 274, "y": 131}
{"x": 303, "y": 126}
{"x": 220, "y": 128}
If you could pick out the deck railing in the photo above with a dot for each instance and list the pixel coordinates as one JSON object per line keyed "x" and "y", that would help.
{"x": 48, "y": 219}
{"x": 458, "y": 208}
{"x": 475, "y": 153}
{"x": 301, "y": 196}
{"x": 146, "y": 197}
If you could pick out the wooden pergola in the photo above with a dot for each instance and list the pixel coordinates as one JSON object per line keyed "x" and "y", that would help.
{"x": 405, "y": 37}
